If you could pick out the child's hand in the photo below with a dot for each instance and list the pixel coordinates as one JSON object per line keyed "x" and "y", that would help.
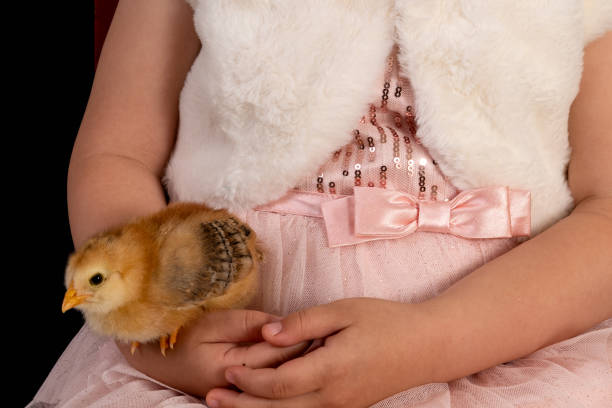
{"x": 207, "y": 348}
{"x": 374, "y": 349}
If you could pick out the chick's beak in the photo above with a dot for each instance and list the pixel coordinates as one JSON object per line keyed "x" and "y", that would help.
{"x": 72, "y": 299}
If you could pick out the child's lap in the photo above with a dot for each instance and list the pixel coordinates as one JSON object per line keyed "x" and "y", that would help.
{"x": 572, "y": 373}
{"x": 300, "y": 271}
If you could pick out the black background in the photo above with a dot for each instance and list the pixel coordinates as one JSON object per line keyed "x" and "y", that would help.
{"x": 51, "y": 65}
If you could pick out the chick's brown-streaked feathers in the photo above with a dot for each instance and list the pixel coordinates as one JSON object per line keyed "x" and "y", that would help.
{"x": 201, "y": 259}
{"x": 160, "y": 272}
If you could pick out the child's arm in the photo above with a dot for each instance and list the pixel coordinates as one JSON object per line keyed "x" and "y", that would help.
{"x": 122, "y": 147}
{"x": 130, "y": 123}
{"x": 548, "y": 289}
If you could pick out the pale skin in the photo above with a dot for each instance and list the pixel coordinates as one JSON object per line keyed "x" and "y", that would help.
{"x": 550, "y": 288}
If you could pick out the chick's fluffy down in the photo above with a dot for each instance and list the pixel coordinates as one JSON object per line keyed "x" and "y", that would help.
{"x": 154, "y": 275}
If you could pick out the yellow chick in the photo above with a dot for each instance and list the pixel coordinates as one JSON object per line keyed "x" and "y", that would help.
{"x": 145, "y": 280}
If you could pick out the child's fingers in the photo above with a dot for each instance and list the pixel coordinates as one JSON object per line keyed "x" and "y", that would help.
{"x": 315, "y": 322}
{"x": 296, "y": 377}
{"x": 261, "y": 355}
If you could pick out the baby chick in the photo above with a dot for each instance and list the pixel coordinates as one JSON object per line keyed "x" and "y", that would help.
{"x": 145, "y": 280}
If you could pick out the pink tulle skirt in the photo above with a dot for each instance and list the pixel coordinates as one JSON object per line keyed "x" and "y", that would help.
{"x": 300, "y": 270}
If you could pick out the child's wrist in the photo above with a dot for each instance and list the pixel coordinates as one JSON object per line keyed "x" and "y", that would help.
{"x": 434, "y": 330}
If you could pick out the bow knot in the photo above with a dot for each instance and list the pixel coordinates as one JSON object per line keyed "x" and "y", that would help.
{"x": 434, "y": 216}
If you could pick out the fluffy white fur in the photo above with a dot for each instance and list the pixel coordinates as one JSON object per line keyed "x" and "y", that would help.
{"x": 278, "y": 85}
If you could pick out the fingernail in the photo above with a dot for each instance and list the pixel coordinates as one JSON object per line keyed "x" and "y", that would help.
{"x": 213, "y": 403}
{"x": 230, "y": 377}
{"x": 273, "y": 328}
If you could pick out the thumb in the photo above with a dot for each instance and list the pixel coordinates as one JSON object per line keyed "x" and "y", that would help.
{"x": 307, "y": 324}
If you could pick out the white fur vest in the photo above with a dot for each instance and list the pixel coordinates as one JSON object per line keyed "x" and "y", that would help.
{"x": 278, "y": 85}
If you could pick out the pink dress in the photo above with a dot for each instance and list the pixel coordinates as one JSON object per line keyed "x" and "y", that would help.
{"x": 300, "y": 270}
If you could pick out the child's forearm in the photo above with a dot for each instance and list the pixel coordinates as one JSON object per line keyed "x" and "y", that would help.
{"x": 108, "y": 190}
{"x": 548, "y": 289}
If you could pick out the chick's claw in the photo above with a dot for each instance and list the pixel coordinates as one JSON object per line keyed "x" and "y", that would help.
{"x": 173, "y": 338}
{"x": 163, "y": 344}
{"x": 134, "y": 347}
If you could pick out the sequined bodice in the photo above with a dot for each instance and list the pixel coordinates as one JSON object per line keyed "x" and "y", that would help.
{"x": 385, "y": 150}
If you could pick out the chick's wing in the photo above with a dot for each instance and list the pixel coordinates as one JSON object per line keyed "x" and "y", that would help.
{"x": 207, "y": 260}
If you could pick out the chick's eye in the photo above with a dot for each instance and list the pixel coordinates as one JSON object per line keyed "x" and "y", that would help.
{"x": 96, "y": 279}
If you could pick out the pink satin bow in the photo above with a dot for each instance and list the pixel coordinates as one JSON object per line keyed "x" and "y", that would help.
{"x": 376, "y": 213}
